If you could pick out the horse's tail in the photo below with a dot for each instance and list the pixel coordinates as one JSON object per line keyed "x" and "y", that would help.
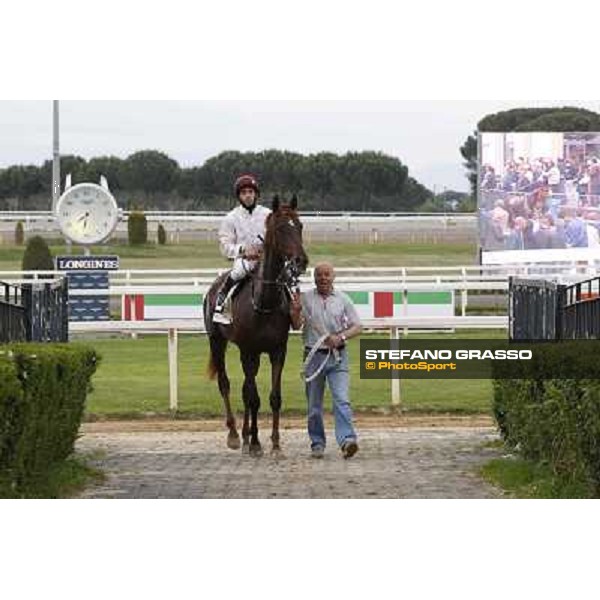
{"x": 216, "y": 360}
{"x": 211, "y": 369}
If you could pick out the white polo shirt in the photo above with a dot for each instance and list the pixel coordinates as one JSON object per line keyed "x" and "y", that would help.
{"x": 326, "y": 314}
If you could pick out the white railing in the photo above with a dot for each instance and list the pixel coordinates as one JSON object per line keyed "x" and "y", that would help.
{"x": 459, "y": 279}
{"x": 451, "y": 278}
{"x": 453, "y": 272}
{"x": 155, "y": 215}
{"x": 173, "y": 327}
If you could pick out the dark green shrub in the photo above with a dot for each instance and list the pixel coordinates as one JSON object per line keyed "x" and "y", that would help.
{"x": 11, "y": 395}
{"x": 37, "y": 256}
{"x": 551, "y": 412}
{"x": 19, "y": 233}
{"x": 162, "y": 235}
{"x": 41, "y": 417}
{"x": 137, "y": 228}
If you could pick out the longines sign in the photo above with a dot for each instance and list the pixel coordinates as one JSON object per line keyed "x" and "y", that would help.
{"x": 87, "y": 263}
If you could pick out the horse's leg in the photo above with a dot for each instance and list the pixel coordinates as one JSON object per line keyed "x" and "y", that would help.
{"x": 218, "y": 346}
{"x": 277, "y": 361}
{"x": 246, "y": 427}
{"x": 251, "y": 363}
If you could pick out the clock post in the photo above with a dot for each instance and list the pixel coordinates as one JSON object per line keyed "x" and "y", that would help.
{"x": 87, "y": 214}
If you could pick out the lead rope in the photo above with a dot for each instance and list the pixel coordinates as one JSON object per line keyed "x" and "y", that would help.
{"x": 309, "y": 357}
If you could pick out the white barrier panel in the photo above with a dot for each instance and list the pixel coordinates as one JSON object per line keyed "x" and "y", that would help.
{"x": 384, "y": 304}
{"x": 140, "y": 307}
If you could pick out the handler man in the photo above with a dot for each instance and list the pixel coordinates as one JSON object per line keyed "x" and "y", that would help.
{"x": 329, "y": 319}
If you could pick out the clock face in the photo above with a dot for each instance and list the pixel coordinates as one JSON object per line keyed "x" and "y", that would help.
{"x": 87, "y": 213}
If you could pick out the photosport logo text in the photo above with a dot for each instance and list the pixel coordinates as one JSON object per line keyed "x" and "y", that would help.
{"x": 455, "y": 359}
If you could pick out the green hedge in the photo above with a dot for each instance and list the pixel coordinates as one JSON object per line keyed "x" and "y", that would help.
{"x": 162, "y": 235}
{"x": 550, "y": 410}
{"x": 43, "y": 388}
{"x": 19, "y": 234}
{"x": 37, "y": 255}
{"x": 137, "y": 228}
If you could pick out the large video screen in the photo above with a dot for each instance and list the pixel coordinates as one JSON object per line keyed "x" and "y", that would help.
{"x": 539, "y": 197}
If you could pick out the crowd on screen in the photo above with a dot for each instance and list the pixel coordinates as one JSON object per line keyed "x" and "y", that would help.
{"x": 578, "y": 179}
{"x": 538, "y": 220}
{"x": 540, "y": 204}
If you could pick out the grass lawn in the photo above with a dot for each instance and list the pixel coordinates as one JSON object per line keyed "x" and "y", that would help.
{"x": 133, "y": 378}
{"x": 196, "y": 255}
{"x": 525, "y": 479}
{"x": 63, "y": 480}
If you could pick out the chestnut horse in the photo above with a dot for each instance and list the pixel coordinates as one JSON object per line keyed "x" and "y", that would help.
{"x": 261, "y": 323}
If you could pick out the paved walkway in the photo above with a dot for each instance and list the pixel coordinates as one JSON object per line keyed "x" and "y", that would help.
{"x": 392, "y": 463}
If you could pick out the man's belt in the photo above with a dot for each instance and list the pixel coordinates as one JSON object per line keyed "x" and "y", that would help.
{"x": 324, "y": 350}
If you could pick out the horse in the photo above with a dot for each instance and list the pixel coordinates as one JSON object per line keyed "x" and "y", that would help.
{"x": 260, "y": 324}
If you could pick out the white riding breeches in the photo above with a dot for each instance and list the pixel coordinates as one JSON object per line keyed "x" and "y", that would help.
{"x": 241, "y": 268}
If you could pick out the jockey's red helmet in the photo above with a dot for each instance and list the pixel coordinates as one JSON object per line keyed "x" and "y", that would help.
{"x": 246, "y": 181}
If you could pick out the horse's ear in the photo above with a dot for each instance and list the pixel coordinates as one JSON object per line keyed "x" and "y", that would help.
{"x": 294, "y": 202}
{"x": 275, "y": 204}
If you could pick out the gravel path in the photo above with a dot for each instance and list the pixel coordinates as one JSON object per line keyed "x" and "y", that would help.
{"x": 399, "y": 462}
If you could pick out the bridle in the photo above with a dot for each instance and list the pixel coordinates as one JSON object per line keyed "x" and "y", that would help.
{"x": 287, "y": 281}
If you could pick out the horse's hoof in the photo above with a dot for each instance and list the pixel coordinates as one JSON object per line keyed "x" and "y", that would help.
{"x": 256, "y": 450}
{"x": 233, "y": 441}
{"x": 277, "y": 453}
{"x": 245, "y": 448}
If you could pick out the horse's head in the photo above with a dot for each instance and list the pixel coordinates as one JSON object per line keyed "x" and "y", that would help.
{"x": 284, "y": 236}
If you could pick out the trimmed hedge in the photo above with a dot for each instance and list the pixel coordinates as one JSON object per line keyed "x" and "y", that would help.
{"x": 43, "y": 388}
{"x": 37, "y": 255}
{"x": 137, "y": 228}
{"x": 19, "y": 234}
{"x": 11, "y": 396}
{"x": 162, "y": 235}
{"x": 550, "y": 410}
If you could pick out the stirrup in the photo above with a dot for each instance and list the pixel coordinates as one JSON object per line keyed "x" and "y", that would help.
{"x": 219, "y": 317}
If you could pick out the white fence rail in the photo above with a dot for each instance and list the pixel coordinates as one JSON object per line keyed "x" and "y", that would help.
{"x": 173, "y": 327}
{"x": 47, "y": 216}
{"x": 460, "y": 279}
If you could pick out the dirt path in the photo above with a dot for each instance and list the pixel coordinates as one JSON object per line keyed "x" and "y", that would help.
{"x": 425, "y": 457}
{"x": 363, "y": 421}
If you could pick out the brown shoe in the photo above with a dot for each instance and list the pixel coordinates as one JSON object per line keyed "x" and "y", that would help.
{"x": 349, "y": 449}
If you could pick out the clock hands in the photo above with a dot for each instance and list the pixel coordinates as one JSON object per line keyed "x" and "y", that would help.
{"x": 84, "y": 218}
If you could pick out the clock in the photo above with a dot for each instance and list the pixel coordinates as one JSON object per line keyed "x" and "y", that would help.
{"x": 87, "y": 213}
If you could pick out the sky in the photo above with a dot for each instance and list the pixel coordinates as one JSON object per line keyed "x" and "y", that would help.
{"x": 424, "y": 135}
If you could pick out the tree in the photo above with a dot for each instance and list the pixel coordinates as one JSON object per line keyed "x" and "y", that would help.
{"x": 324, "y": 181}
{"x": 19, "y": 233}
{"x": 70, "y": 164}
{"x": 567, "y": 118}
{"x": 22, "y": 181}
{"x": 37, "y": 256}
{"x": 112, "y": 167}
{"x": 137, "y": 228}
{"x": 161, "y": 235}
{"x": 469, "y": 152}
{"x": 151, "y": 172}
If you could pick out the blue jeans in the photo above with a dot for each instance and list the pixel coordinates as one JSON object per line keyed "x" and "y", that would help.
{"x": 337, "y": 376}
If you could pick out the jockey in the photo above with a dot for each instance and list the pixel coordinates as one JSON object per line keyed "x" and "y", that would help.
{"x": 241, "y": 237}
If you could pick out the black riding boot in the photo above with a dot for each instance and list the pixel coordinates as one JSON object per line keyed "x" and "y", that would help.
{"x": 222, "y": 295}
